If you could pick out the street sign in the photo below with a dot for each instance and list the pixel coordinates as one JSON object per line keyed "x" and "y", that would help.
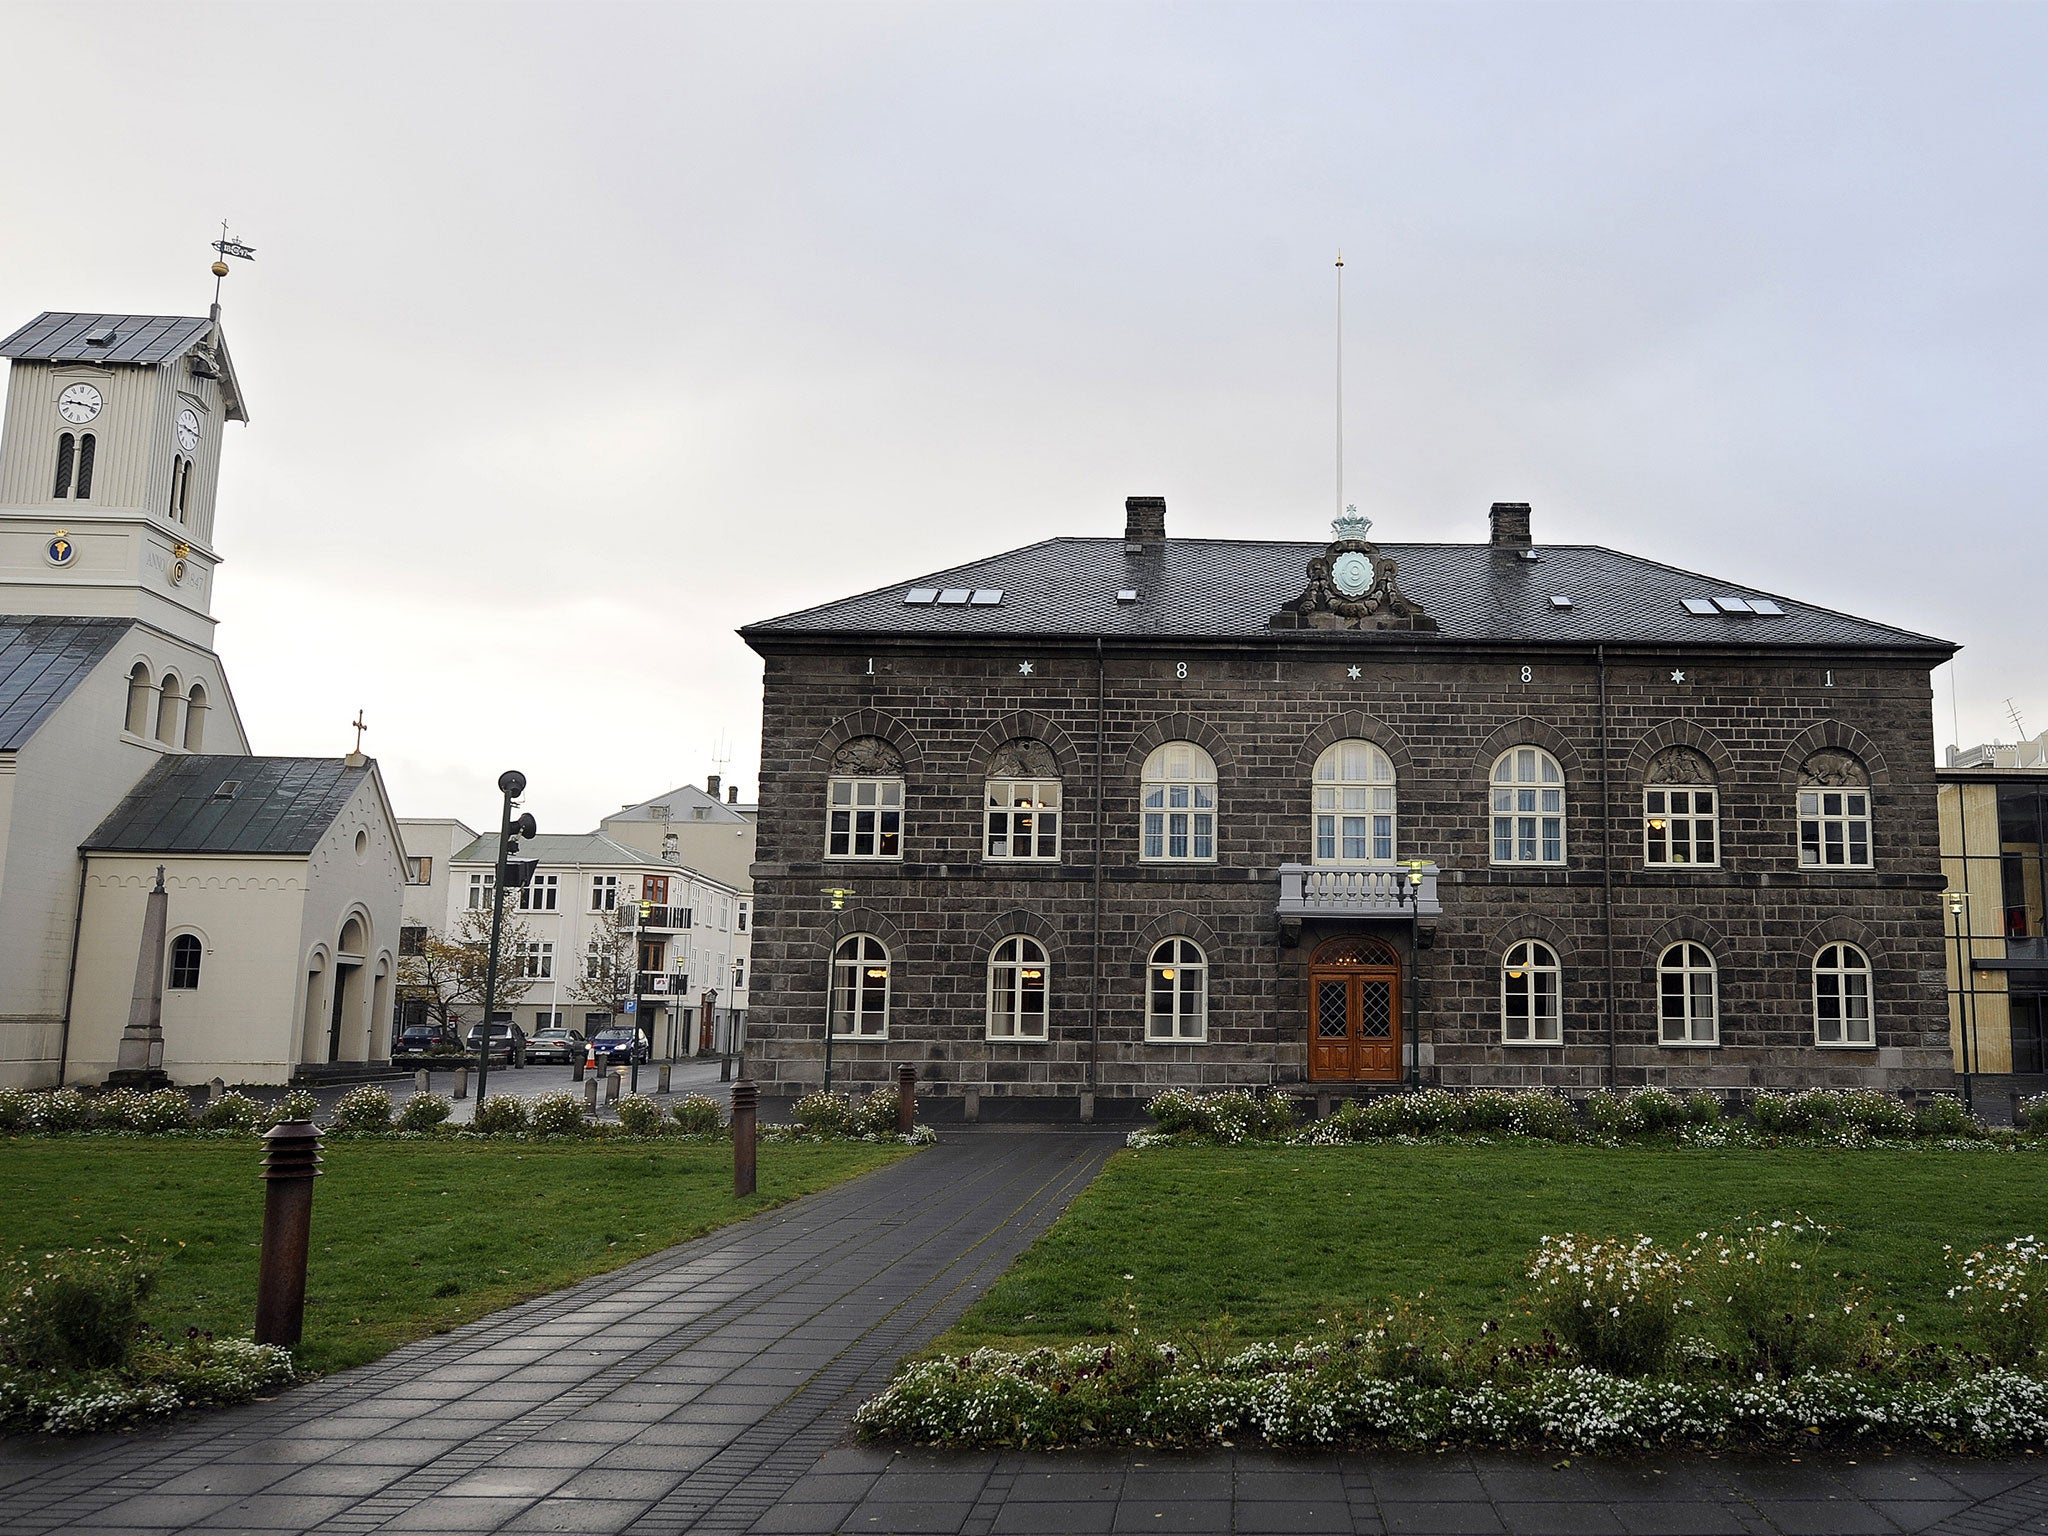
{"x": 631, "y": 1005}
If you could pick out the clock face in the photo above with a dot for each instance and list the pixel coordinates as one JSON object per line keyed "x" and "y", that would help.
{"x": 79, "y": 404}
{"x": 1352, "y": 573}
{"x": 188, "y": 429}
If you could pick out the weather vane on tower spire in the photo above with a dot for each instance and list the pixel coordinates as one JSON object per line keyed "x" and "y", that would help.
{"x": 228, "y": 246}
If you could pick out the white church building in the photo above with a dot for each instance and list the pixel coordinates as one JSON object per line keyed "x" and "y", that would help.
{"x": 121, "y": 748}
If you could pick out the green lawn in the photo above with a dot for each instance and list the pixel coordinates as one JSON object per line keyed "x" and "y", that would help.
{"x": 1280, "y": 1238}
{"x": 409, "y": 1238}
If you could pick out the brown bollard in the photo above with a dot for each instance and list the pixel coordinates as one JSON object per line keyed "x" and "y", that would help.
{"x": 906, "y": 1098}
{"x": 746, "y": 1101}
{"x": 291, "y": 1162}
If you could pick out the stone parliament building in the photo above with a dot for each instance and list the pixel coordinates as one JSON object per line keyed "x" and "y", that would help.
{"x": 1100, "y": 816}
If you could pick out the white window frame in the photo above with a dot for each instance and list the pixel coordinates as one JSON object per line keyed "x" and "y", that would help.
{"x": 1840, "y": 973}
{"x": 853, "y": 962}
{"x": 540, "y": 885}
{"x": 864, "y": 818}
{"x": 537, "y": 960}
{"x": 481, "y": 883}
{"x": 1177, "y": 975}
{"x": 604, "y": 893}
{"x": 1673, "y": 824}
{"x": 1688, "y": 996}
{"x": 742, "y": 918}
{"x": 1832, "y": 821}
{"x": 1038, "y": 804}
{"x": 1530, "y": 976}
{"x": 739, "y": 973}
{"x": 594, "y": 958}
{"x": 1526, "y": 785}
{"x": 1018, "y": 970}
{"x": 1355, "y": 812}
{"x": 1178, "y": 821}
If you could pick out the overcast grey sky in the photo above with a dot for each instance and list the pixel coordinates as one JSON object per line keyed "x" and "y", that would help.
{"x": 575, "y": 326}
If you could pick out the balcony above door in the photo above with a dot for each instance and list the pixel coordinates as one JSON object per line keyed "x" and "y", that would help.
{"x": 1387, "y": 890}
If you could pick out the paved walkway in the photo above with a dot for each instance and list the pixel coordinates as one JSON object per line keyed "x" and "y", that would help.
{"x": 709, "y": 1389}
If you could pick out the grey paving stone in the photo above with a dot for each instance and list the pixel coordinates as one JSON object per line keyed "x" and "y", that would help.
{"x": 910, "y": 1519}
{"x": 1276, "y": 1517}
{"x": 1401, "y": 1482}
{"x": 510, "y": 1482}
{"x": 337, "y": 1478}
{"x": 1441, "y": 1518}
{"x": 1068, "y": 1486}
{"x": 1177, "y": 1483}
{"x": 830, "y": 1488}
{"x": 163, "y": 1509}
{"x": 1301, "y": 1484}
{"x": 227, "y": 1477}
{"x": 645, "y": 1483}
{"x": 446, "y": 1514}
{"x": 277, "y": 1511}
{"x": 920, "y": 1486}
{"x": 1048, "y": 1517}
{"x": 1921, "y": 1514}
{"x": 1822, "y": 1517}
{"x": 1680, "y": 1517}
{"x": 1199, "y": 1515}
{"x": 1558, "y": 1517}
{"x": 578, "y": 1515}
{"x": 791, "y": 1518}
{"x": 1896, "y": 1479}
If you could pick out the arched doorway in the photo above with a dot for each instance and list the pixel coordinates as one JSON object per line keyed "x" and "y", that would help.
{"x": 1354, "y": 1025}
{"x": 350, "y": 952}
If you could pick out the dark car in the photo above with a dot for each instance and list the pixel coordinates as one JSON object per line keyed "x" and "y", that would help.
{"x": 557, "y": 1045}
{"x": 504, "y": 1039}
{"x": 620, "y": 1045}
{"x": 425, "y": 1040}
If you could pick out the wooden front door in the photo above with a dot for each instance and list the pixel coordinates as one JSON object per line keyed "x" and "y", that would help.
{"x": 1354, "y": 1025}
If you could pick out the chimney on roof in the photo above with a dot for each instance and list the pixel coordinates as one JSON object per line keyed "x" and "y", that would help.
{"x": 1510, "y": 525}
{"x": 711, "y": 786}
{"x": 1144, "y": 522}
{"x": 732, "y": 794}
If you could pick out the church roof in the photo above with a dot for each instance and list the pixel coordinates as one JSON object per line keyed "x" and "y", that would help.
{"x": 59, "y": 336}
{"x": 231, "y": 805}
{"x": 41, "y": 662}
{"x": 1228, "y": 588}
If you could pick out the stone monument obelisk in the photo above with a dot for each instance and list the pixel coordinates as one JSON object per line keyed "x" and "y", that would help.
{"x": 141, "y": 1060}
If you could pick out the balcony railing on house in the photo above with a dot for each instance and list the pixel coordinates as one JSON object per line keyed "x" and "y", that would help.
{"x": 1358, "y": 890}
{"x": 670, "y": 918}
{"x": 663, "y": 983}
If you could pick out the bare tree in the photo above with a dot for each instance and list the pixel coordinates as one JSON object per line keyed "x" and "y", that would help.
{"x": 448, "y": 972}
{"x": 610, "y": 967}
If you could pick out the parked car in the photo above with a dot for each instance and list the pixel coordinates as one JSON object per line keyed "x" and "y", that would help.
{"x": 425, "y": 1040}
{"x": 565, "y": 1046}
{"x": 621, "y": 1044}
{"x": 505, "y": 1038}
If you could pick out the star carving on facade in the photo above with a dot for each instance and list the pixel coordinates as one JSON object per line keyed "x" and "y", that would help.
{"x": 1023, "y": 669}
{"x": 1355, "y": 674}
{"x": 1678, "y": 677}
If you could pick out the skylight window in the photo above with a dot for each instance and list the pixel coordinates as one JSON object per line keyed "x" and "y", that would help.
{"x": 921, "y": 595}
{"x": 1732, "y": 604}
{"x": 1127, "y": 595}
{"x": 1560, "y": 602}
{"x": 986, "y": 597}
{"x": 954, "y": 595}
{"x": 1700, "y": 606}
{"x": 1765, "y": 606}
{"x": 102, "y": 337}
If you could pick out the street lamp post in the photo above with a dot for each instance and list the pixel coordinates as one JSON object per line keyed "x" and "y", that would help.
{"x": 837, "y": 895}
{"x": 1408, "y": 893}
{"x": 512, "y": 784}
{"x": 1966, "y": 1010}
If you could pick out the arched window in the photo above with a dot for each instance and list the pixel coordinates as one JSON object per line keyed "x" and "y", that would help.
{"x": 175, "y": 508}
{"x": 1834, "y": 812}
{"x": 186, "y": 952}
{"x": 1841, "y": 996}
{"x": 1177, "y": 992}
{"x": 1531, "y": 988}
{"x": 860, "y": 989}
{"x": 1528, "y": 808}
{"x": 1023, "y": 803}
{"x": 67, "y": 447}
{"x": 1681, "y": 810}
{"x": 1180, "y": 804}
{"x": 85, "y": 453}
{"x": 864, "y": 800}
{"x": 1686, "y": 1004}
{"x": 1019, "y": 982}
{"x": 167, "y": 710}
{"x": 195, "y": 718}
{"x": 1354, "y": 792}
{"x": 140, "y": 694}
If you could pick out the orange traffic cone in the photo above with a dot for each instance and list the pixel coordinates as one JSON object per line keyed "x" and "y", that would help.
{"x": 590, "y": 1059}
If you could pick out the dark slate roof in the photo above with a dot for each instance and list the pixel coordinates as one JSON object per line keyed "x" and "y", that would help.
{"x": 280, "y": 805}
{"x": 41, "y": 661}
{"x": 1228, "y": 589}
{"x": 60, "y": 338}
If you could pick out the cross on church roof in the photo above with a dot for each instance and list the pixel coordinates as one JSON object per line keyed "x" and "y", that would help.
{"x": 360, "y": 728}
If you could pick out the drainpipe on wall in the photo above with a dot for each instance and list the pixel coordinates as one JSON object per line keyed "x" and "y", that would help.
{"x": 1095, "y": 941}
{"x": 1606, "y": 863}
{"x": 71, "y": 977}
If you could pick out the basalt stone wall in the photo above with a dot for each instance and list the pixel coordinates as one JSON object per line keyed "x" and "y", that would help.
{"x": 1264, "y": 711}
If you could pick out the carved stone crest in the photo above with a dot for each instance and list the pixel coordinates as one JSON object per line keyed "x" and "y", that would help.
{"x": 1679, "y": 765}
{"x": 1023, "y": 758}
{"x": 1831, "y": 768}
{"x": 1351, "y": 585}
{"x": 867, "y": 755}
